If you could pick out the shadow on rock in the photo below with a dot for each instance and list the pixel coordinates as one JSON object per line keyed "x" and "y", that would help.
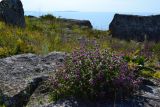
{"x": 22, "y": 98}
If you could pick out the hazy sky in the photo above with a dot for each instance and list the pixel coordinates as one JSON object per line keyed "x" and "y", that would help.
{"x": 93, "y": 5}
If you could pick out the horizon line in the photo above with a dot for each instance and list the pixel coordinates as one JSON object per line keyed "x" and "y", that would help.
{"x": 88, "y": 11}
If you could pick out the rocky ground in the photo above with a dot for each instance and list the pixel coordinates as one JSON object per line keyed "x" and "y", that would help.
{"x": 21, "y": 84}
{"x": 21, "y": 75}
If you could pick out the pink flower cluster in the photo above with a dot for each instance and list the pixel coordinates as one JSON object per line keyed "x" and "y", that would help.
{"x": 92, "y": 73}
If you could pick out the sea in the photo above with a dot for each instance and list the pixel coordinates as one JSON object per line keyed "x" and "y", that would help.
{"x": 99, "y": 20}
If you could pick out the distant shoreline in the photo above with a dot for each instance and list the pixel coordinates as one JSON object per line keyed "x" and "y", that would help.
{"x": 99, "y": 20}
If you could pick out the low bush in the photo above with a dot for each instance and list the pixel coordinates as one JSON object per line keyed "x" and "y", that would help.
{"x": 48, "y": 17}
{"x": 93, "y": 74}
{"x": 157, "y": 75}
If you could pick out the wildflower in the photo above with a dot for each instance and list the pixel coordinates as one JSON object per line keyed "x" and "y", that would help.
{"x": 95, "y": 71}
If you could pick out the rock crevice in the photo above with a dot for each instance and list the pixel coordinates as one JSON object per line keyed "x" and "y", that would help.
{"x": 20, "y": 75}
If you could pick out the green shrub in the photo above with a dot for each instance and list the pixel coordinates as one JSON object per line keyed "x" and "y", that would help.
{"x": 4, "y": 52}
{"x": 156, "y": 50}
{"x": 22, "y": 47}
{"x": 147, "y": 74}
{"x": 48, "y": 17}
{"x": 157, "y": 75}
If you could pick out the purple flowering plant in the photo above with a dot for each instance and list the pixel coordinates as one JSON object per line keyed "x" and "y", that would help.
{"x": 90, "y": 73}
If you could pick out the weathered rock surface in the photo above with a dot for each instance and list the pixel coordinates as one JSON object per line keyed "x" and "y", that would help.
{"x": 12, "y": 13}
{"x": 20, "y": 75}
{"x": 22, "y": 79}
{"x": 132, "y": 27}
{"x": 80, "y": 23}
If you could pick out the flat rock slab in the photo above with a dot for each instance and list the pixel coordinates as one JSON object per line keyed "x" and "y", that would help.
{"x": 21, "y": 74}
